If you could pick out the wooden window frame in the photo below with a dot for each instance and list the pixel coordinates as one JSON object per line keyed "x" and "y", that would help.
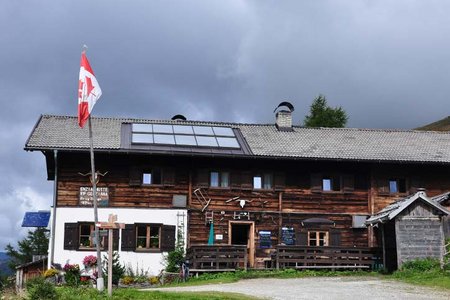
{"x": 263, "y": 175}
{"x": 398, "y": 185}
{"x": 152, "y": 180}
{"x": 332, "y": 178}
{"x": 148, "y": 238}
{"x": 91, "y": 237}
{"x": 317, "y": 238}
{"x": 220, "y": 181}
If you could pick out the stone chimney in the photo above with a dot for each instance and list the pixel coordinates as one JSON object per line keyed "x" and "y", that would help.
{"x": 284, "y": 117}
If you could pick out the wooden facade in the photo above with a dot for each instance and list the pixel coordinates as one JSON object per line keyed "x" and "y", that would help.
{"x": 296, "y": 194}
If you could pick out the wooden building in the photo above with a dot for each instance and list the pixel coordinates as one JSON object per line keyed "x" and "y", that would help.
{"x": 261, "y": 185}
{"x": 411, "y": 228}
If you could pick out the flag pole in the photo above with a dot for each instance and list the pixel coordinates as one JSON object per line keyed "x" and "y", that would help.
{"x": 100, "y": 281}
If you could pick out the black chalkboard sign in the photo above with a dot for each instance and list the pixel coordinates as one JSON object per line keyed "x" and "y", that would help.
{"x": 287, "y": 236}
{"x": 265, "y": 239}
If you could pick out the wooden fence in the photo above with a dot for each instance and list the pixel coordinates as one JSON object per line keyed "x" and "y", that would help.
{"x": 217, "y": 258}
{"x": 302, "y": 257}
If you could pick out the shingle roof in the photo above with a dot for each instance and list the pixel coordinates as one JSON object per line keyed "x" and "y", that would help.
{"x": 60, "y": 132}
{"x": 392, "y": 210}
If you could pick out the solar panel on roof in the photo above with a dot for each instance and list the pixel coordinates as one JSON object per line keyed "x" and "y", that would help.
{"x": 184, "y": 135}
{"x": 36, "y": 219}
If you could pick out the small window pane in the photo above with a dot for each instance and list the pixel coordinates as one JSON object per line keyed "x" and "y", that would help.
{"x": 164, "y": 139}
{"x": 183, "y": 129}
{"x": 326, "y": 184}
{"x": 141, "y": 128}
{"x": 228, "y": 142}
{"x": 223, "y": 131}
{"x": 206, "y": 141}
{"x": 147, "y": 178}
{"x": 257, "y": 182}
{"x": 203, "y": 130}
{"x": 162, "y": 128}
{"x": 393, "y": 186}
{"x": 142, "y": 138}
{"x": 225, "y": 179}
{"x": 154, "y": 237}
{"x": 85, "y": 230}
{"x": 141, "y": 231}
{"x": 214, "y": 179}
{"x": 185, "y": 140}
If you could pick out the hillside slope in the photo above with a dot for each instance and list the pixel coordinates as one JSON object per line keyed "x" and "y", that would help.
{"x": 441, "y": 125}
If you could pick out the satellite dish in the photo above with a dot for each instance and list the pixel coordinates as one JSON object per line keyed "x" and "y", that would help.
{"x": 285, "y": 104}
{"x": 179, "y": 118}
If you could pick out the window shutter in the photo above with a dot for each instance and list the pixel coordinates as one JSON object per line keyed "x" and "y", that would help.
{"x": 71, "y": 236}
{"x": 169, "y": 176}
{"x": 129, "y": 238}
{"x": 335, "y": 238}
{"x": 316, "y": 183}
{"x": 348, "y": 183}
{"x": 246, "y": 180}
{"x": 202, "y": 179}
{"x": 383, "y": 186}
{"x": 235, "y": 180}
{"x": 279, "y": 180}
{"x": 167, "y": 238}
{"x": 302, "y": 239}
{"x": 135, "y": 176}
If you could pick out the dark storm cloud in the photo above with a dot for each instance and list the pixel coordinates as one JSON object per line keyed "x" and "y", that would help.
{"x": 385, "y": 62}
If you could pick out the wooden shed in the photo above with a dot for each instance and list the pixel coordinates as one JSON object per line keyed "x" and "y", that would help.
{"x": 29, "y": 270}
{"x": 411, "y": 228}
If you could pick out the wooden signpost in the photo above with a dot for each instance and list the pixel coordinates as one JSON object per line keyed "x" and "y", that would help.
{"x": 110, "y": 225}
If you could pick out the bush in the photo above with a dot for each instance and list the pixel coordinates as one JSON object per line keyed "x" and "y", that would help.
{"x": 174, "y": 259}
{"x": 72, "y": 275}
{"x": 153, "y": 280}
{"x": 50, "y": 273}
{"x": 421, "y": 265}
{"x": 127, "y": 280}
{"x": 38, "y": 288}
{"x": 117, "y": 269}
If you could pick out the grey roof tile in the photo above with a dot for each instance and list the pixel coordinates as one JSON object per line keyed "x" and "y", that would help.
{"x": 264, "y": 140}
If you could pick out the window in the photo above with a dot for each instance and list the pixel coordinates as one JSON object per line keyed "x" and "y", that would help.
{"x": 263, "y": 181}
{"x": 318, "y": 238}
{"x": 86, "y": 236}
{"x": 331, "y": 183}
{"x": 147, "y": 237}
{"x": 219, "y": 179}
{"x": 397, "y": 186}
{"x": 153, "y": 176}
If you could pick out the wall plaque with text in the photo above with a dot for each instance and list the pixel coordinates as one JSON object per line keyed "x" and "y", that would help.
{"x": 87, "y": 197}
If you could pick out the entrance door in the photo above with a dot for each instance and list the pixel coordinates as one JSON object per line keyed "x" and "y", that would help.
{"x": 243, "y": 233}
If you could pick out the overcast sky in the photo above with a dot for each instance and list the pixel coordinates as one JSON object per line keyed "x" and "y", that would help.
{"x": 385, "y": 62}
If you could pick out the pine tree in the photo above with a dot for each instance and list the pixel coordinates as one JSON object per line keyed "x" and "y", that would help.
{"x": 322, "y": 115}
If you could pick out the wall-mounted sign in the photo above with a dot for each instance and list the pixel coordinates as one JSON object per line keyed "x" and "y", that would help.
{"x": 87, "y": 199}
{"x": 288, "y": 236}
{"x": 219, "y": 237}
{"x": 265, "y": 239}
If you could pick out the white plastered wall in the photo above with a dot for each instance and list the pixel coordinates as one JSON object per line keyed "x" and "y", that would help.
{"x": 151, "y": 262}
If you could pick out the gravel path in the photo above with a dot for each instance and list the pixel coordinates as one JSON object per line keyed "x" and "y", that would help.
{"x": 354, "y": 288}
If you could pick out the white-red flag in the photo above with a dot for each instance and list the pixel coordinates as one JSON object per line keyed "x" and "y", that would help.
{"x": 88, "y": 90}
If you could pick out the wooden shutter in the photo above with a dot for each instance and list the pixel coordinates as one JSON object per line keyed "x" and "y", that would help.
{"x": 335, "y": 238}
{"x": 348, "y": 183}
{"x": 235, "y": 179}
{"x": 383, "y": 186}
{"x": 279, "y": 180}
{"x": 167, "y": 238}
{"x": 135, "y": 176}
{"x": 129, "y": 238}
{"x": 246, "y": 180}
{"x": 169, "y": 176}
{"x": 316, "y": 183}
{"x": 71, "y": 236}
{"x": 202, "y": 178}
{"x": 302, "y": 239}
